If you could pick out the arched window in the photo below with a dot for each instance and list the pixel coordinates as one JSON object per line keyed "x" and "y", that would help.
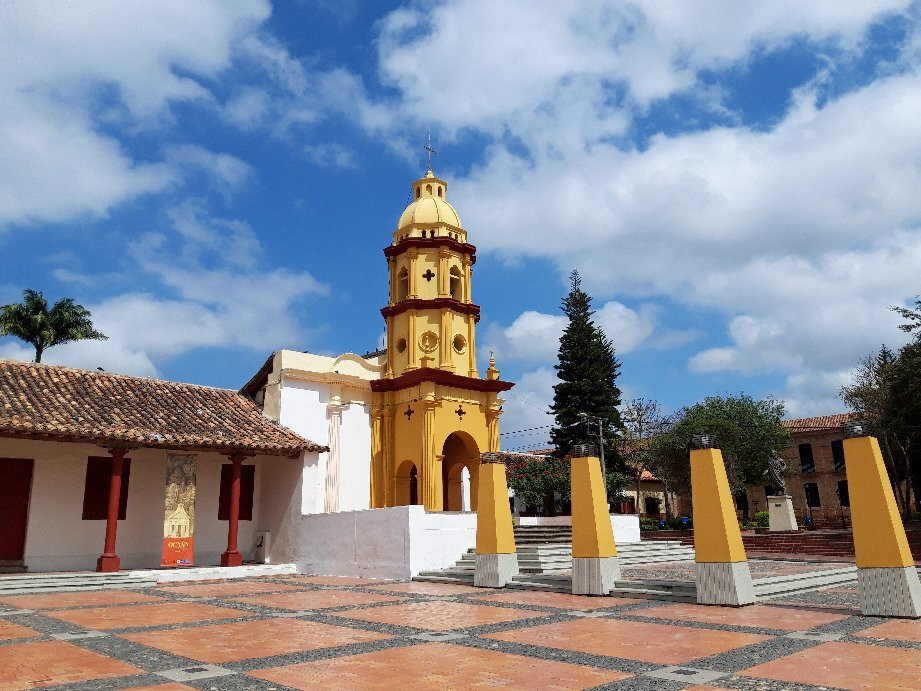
{"x": 428, "y": 189}
{"x": 439, "y": 191}
{"x": 418, "y": 192}
{"x": 455, "y": 283}
{"x": 402, "y": 284}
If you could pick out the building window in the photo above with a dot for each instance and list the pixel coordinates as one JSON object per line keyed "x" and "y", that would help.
{"x": 455, "y": 286}
{"x": 837, "y": 454}
{"x": 96, "y": 488}
{"x": 247, "y": 485}
{"x": 812, "y": 494}
{"x": 652, "y": 505}
{"x": 402, "y": 284}
{"x": 844, "y": 498}
{"x": 806, "y": 460}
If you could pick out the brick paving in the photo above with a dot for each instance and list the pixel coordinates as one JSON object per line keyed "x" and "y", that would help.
{"x": 328, "y": 633}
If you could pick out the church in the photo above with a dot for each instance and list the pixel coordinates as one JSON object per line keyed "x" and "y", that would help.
{"x": 389, "y": 490}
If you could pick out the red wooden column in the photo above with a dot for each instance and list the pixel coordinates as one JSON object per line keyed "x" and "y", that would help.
{"x": 109, "y": 560}
{"x": 231, "y": 557}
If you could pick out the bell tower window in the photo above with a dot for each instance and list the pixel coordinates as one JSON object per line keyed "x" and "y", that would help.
{"x": 402, "y": 284}
{"x": 455, "y": 283}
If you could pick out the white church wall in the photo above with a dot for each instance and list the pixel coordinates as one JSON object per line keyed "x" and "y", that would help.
{"x": 280, "y": 501}
{"x": 303, "y": 410}
{"x": 58, "y": 539}
{"x": 355, "y": 459}
{"x": 397, "y": 542}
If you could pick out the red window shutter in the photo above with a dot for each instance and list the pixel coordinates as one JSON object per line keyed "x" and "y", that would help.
{"x": 247, "y": 488}
{"x": 96, "y": 488}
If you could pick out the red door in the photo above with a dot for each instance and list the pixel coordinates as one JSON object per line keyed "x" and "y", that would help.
{"x": 16, "y": 481}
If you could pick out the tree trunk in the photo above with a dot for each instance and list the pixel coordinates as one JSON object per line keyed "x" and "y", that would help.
{"x": 38, "y": 353}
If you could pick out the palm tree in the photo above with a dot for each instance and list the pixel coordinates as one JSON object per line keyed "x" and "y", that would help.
{"x": 34, "y": 323}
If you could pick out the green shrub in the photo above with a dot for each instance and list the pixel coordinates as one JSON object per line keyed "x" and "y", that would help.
{"x": 649, "y": 524}
{"x": 760, "y": 520}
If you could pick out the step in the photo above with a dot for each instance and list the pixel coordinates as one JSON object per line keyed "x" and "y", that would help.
{"x": 43, "y": 583}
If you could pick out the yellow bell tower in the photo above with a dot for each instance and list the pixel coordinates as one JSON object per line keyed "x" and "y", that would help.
{"x": 432, "y": 415}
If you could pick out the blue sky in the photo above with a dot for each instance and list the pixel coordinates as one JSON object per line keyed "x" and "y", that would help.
{"x": 737, "y": 182}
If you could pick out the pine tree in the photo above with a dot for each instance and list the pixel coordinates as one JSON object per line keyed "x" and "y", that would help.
{"x": 587, "y": 370}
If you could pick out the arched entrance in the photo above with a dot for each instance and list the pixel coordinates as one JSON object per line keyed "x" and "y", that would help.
{"x": 459, "y": 453}
{"x": 407, "y": 484}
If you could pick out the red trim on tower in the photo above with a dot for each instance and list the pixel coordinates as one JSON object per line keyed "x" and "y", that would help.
{"x": 440, "y": 376}
{"x": 403, "y": 245}
{"x": 433, "y": 304}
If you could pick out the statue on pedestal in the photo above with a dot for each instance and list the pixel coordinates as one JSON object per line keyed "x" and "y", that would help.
{"x": 776, "y": 469}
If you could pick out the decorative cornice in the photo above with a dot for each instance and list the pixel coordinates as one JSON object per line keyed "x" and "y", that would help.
{"x": 440, "y": 376}
{"x": 463, "y": 248}
{"x": 432, "y": 304}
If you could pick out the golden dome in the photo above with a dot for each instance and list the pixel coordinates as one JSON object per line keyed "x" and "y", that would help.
{"x": 429, "y": 205}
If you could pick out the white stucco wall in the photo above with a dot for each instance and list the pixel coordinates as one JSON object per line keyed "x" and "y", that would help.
{"x": 397, "y": 542}
{"x": 304, "y": 410}
{"x": 57, "y": 537}
{"x": 626, "y": 525}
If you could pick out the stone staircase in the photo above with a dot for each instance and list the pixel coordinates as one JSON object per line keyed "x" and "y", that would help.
{"x": 545, "y": 556}
{"x": 550, "y": 557}
{"x": 20, "y": 584}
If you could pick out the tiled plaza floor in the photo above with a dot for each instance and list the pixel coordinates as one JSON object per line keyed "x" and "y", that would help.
{"x": 329, "y": 633}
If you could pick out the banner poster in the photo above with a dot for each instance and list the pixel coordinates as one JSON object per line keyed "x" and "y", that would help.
{"x": 179, "y": 513}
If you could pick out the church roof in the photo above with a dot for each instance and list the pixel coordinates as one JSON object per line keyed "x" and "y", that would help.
{"x": 429, "y": 206}
{"x": 56, "y": 403}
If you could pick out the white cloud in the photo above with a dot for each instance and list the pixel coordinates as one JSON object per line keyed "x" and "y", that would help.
{"x": 69, "y": 68}
{"x": 220, "y": 297}
{"x": 535, "y": 337}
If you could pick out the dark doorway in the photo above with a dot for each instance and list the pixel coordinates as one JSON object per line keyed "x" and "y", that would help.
{"x": 16, "y": 480}
{"x": 413, "y": 486}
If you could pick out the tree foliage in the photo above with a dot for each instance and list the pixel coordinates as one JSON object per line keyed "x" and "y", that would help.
{"x": 886, "y": 391}
{"x": 32, "y": 321}
{"x": 747, "y": 432}
{"x": 643, "y": 421}
{"x": 534, "y": 478}
{"x": 587, "y": 370}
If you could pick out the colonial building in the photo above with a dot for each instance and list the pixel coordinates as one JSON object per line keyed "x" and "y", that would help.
{"x": 815, "y": 475}
{"x": 109, "y": 471}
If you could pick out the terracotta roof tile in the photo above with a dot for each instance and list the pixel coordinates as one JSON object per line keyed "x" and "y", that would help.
{"x": 51, "y": 402}
{"x": 822, "y": 422}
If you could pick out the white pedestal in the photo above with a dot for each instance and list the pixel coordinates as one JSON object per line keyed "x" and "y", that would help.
{"x": 724, "y": 583}
{"x": 780, "y": 514}
{"x": 889, "y": 592}
{"x": 594, "y": 575}
{"x": 494, "y": 570}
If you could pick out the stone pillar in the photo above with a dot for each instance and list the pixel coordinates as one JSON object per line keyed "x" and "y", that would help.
{"x": 780, "y": 514}
{"x": 594, "y": 554}
{"x": 109, "y": 561}
{"x": 471, "y": 347}
{"x": 411, "y": 345}
{"x": 392, "y": 265}
{"x": 333, "y": 459}
{"x": 391, "y": 354}
{"x": 723, "y": 575}
{"x": 232, "y": 556}
{"x": 492, "y": 426}
{"x": 468, "y": 275}
{"x": 446, "y": 338}
{"x": 886, "y": 576}
{"x": 377, "y": 459}
{"x": 496, "y": 560}
{"x": 389, "y": 467}
{"x": 444, "y": 274}
{"x": 413, "y": 255}
{"x": 432, "y": 492}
